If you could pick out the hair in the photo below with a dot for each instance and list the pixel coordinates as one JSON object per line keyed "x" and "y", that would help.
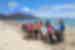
{"x": 48, "y": 23}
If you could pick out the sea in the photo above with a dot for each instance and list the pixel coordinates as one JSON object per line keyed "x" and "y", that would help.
{"x": 67, "y": 21}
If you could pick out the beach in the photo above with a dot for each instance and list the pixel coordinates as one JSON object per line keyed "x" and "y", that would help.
{"x": 70, "y": 38}
{"x": 11, "y": 39}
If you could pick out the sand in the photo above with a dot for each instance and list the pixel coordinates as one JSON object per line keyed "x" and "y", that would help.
{"x": 70, "y": 38}
{"x": 11, "y": 39}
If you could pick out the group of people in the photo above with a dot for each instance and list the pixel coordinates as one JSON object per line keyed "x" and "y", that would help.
{"x": 46, "y": 31}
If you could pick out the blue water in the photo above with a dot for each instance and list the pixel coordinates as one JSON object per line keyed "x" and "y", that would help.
{"x": 67, "y": 21}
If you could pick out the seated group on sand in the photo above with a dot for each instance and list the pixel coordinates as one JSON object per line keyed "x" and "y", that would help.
{"x": 46, "y": 31}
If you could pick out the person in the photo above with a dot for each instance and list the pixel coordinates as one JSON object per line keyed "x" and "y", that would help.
{"x": 44, "y": 33}
{"x": 50, "y": 31}
{"x": 57, "y": 32}
{"x": 29, "y": 30}
{"x": 37, "y": 26}
{"x": 62, "y": 28}
{"x": 59, "y": 29}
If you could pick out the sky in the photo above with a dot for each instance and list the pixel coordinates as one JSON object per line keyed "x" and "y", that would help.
{"x": 45, "y": 8}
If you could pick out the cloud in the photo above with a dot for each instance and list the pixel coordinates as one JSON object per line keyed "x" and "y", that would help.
{"x": 12, "y": 5}
{"x": 25, "y": 9}
{"x": 66, "y": 10}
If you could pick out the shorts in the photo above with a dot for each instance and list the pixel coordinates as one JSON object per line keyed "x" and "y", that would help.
{"x": 36, "y": 31}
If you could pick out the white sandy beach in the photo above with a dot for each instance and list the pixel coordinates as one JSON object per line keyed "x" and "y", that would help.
{"x": 11, "y": 39}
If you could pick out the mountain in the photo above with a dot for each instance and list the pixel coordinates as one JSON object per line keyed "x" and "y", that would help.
{"x": 17, "y": 16}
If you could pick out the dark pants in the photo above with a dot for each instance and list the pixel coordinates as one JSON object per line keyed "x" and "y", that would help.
{"x": 62, "y": 35}
{"x": 44, "y": 37}
{"x": 30, "y": 33}
{"x": 58, "y": 35}
{"x": 51, "y": 38}
{"x": 35, "y": 33}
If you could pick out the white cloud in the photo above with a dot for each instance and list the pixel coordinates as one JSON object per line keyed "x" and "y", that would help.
{"x": 66, "y": 10}
{"x": 12, "y": 5}
{"x": 25, "y": 9}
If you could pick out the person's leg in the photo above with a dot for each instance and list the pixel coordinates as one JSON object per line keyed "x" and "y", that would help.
{"x": 33, "y": 32}
{"x": 42, "y": 35}
{"x": 46, "y": 39}
{"x": 39, "y": 35}
{"x": 30, "y": 34}
{"x": 62, "y": 35}
{"x": 58, "y": 36}
{"x": 36, "y": 34}
{"x": 51, "y": 38}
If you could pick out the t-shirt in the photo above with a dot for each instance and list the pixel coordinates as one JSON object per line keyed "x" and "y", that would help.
{"x": 44, "y": 30}
{"x": 59, "y": 27}
{"x": 62, "y": 27}
{"x": 37, "y": 26}
{"x": 29, "y": 27}
{"x": 50, "y": 29}
{"x": 34, "y": 26}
